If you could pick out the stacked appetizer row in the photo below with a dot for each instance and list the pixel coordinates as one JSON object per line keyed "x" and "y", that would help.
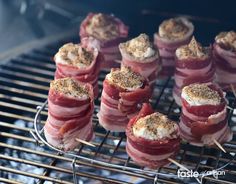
{"x": 135, "y": 65}
{"x": 172, "y": 34}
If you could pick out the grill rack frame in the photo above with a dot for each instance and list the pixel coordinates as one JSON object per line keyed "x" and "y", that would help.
{"x": 14, "y": 89}
{"x": 93, "y": 161}
{"x": 38, "y": 137}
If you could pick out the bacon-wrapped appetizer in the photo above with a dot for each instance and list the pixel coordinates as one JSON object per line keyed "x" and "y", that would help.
{"x": 152, "y": 138}
{"x": 123, "y": 91}
{"x": 109, "y": 31}
{"x": 204, "y": 115}
{"x": 142, "y": 57}
{"x": 172, "y": 34}
{"x": 193, "y": 65}
{"x": 79, "y": 61}
{"x": 70, "y": 110}
{"x": 224, "y": 54}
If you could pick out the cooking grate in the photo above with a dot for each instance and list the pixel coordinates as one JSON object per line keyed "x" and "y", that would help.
{"x": 24, "y": 83}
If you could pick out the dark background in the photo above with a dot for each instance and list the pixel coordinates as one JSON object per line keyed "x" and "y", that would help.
{"x": 24, "y": 20}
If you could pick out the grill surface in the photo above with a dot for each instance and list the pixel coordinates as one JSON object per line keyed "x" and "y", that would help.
{"x": 24, "y": 84}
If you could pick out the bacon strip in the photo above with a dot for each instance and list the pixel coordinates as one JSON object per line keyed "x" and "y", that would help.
{"x": 150, "y": 153}
{"x": 149, "y": 68}
{"x": 192, "y": 71}
{"x": 201, "y": 124}
{"x": 118, "y": 105}
{"x": 86, "y": 75}
{"x": 167, "y": 50}
{"x": 225, "y": 67}
{"x": 109, "y": 49}
{"x": 69, "y": 118}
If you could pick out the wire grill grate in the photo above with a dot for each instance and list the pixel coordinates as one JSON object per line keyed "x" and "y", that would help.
{"x": 24, "y": 83}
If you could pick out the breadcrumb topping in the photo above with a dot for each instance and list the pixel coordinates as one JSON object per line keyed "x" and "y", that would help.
{"x": 125, "y": 78}
{"x": 74, "y": 55}
{"x": 201, "y": 94}
{"x": 140, "y": 47}
{"x": 103, "y": 27}
{"x": 69, "y": 87}
{"x": 174, "y": 28}
{"x": 194, "y": 50}
{"x": 155, "y": 126}
{"x": 227, "y": 40}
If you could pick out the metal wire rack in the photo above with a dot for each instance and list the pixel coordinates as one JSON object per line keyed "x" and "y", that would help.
{"x": 38, "y": 126}
{"x": 24, "y": 84}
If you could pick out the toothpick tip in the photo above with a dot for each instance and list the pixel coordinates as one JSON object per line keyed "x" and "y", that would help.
{"x": 85, "y": 142}
{"x": 178, "y": 164}
{"x": 219, "y": 145}
{"x": 230, "y": 108}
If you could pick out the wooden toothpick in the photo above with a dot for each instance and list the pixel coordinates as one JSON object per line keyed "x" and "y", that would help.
{"x": 230, "y": 108}
{"x": 219, "y": 145}
{"x": 178, "y": 164}
{"x": 85, "y": 142}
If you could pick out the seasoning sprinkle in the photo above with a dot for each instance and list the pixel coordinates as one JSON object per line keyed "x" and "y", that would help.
{"x": 70, "y": 87}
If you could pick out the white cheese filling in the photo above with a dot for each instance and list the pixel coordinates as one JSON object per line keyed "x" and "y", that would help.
{"x": 198, "y": 101}
{"x": 155, "y": 129}
{"x": 133, "y": 88}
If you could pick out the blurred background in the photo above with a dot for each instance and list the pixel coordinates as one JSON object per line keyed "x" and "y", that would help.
{"x": 24, "y": 20}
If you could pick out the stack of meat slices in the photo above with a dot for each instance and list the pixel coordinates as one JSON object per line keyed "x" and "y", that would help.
{"x": 123, "y": 91}
{"x": 79, "y": 61}
{"x": 142, "y": 57}
{"x": 152, "y": 138}
{"x": 204, "y": 115}
{"x": 225, "y": 58}
{"x": 172, "y": 34}
{"x": 193, "y": 65}
{"x": 70, "y": 109}
{"x": 109, "y": 31}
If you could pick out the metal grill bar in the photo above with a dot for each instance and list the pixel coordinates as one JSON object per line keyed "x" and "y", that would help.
{"x": 33, "y": 175}
{"x": 51, "y": 155}
{"x": 22, "y": 92}
{"x": 24, "y": 76}
{"x": 61, "y": 158}
{"x": 8, "y": 181}
{"x": 24, "y": 84}
{"x": 59, "y": 169}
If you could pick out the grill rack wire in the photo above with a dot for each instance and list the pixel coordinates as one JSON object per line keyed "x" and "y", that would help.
{"x": 24, "y": 84}
{"x": 39, "y": 138}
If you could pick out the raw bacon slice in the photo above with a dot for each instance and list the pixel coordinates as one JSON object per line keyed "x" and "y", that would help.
{"x": 152, "y": 138}
{"x": 224, "y": 54}
{"x": 172, "y": 34}
{"x": 80, "y": 61}
{"x": 193, "y": 65}
{"x": 123, "y": 92}
{"x": 70, "y": 110}
{"x": 204, "y": 115}
{"x": 109, "y": 31}
{"x": 142, "y": 57}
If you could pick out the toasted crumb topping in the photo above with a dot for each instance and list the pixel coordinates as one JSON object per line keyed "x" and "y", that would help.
{"x": 227, "y": 40}
{"x": 69, "y": 87}
{"x": 74, "y": 55}
{"x": 174, "y": 28}
{"x": 140, "y": 47}
{"x": 201, "y": 94}
{"x": 125, "y": 78}
{"x": 193, "y": 50}
{"x": 154, "y": 126}
{"x": 103, "y": 27}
